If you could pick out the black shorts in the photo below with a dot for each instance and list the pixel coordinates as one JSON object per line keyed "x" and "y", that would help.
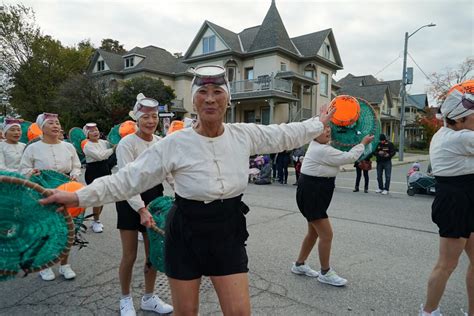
{"x": 96, "y": 170}
{"x": 313, "y": 196}
{"x": 206, "y": 239}
{"x": 128, "y": 218}
{"x": 453, "y": 207}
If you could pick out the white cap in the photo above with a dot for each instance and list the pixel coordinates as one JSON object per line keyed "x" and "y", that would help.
{"x": 9, "y": 123}
{"x": 42, "y": 118}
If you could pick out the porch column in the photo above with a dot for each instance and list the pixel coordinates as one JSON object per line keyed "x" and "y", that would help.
{"x": 232, "y": 112}
{"x": 272, "y": 104}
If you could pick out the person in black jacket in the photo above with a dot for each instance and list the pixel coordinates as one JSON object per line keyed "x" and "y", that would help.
{"x": 384, "y": 153}
{"x": 359, "y": 172}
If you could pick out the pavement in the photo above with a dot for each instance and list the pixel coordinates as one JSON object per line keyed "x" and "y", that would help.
{"x": 385, "y": 246}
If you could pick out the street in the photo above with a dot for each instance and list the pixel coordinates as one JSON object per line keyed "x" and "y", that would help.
{"x": 385, "y": 246}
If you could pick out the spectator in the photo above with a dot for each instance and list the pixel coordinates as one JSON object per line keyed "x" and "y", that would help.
{"x": 363, "y": 166}
{"x": 384, "y": 153}
{"x": 298, "y": 165}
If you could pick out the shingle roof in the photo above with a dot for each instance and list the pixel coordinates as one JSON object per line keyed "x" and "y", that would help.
{"x": 420, "y": 101}
{"x": 114, "y": 61}
{"x": 272, "y": 33}
{"x": 247, "y": 36}
{"x": 351, "y": 80}
{"x": 229, "y": 37}
{"x": 373, "y": 94}
{"x": 309, "y": 44}
{"x": 394, "y": 87}
{"x": 157, "y": 59}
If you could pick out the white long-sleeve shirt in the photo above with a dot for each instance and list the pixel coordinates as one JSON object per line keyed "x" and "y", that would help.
{"x": 128, "y": 149}
{"x": 203, "y": 168}
{"x": 323, "y": 160}
{"x": 452, "y": 152}
{"x": 60, "y": 157}
{"x": 10, "y": 156}
{"x": 97, "y": 151}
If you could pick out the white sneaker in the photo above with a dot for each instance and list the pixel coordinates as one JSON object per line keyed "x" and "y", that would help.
{"x": 140, "y": 236}
{"x": 464, "y": 313}
{"x": 378, "y": 191}
{"x": 67, "y": 272}
{"x": 305, "y": 270}
{"x": 331, "y": 278}
{"x": 47, "y": 274}
{"x": 97, "y": 227}
{"x": 155, "y": 304}
{"x": 436, "y": 312}
{"x": 126, "y": 307}
{"x": 384, "y": 192}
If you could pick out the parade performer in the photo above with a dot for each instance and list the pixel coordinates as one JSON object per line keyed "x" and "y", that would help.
{"x": 50, "y": 153}
{"x": 129, "y": 211}
{"x": 313, "y": 196}
{"x": 452, "y": 163}
{"x": 11, "y": 149}
{"x": 97, "y": 151}
{"x": 206, "y": 231}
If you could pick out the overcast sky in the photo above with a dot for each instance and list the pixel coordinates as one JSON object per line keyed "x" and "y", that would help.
{"x": 369, "y": 34}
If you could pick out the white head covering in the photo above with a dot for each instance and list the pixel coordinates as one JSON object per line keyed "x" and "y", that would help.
{"x": 42, "y": 118}
{"x": 195, "y": 87}
{"x": 9, "y": 123}
{"x": 452, "y": 107}
{"x": 143, "y": 106}
{"x": 87, "y": 128}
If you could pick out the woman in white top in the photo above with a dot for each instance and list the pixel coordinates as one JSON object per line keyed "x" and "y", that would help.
{"x": 452, "y": 162}
{"x": 97, "y": 152}
{"x": 51, "y": 154}
{"x": 11, "y": 149}
{"x": 313, "y": 196}
{"x": 206, "y": 230}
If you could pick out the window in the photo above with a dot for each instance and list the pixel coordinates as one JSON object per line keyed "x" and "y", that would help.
{"x": 283, "y": 66}
{"x": 249, "y": 116}
{"x": 208, "y": 44}
{"x": 265, "y": 116}
{"x": 327, "y": 51}
{"x": 249, "y": 73}
{"x": 231, "y": 74}
{"x": 100, "y": 65}
{"x": 309, "y": 73}
{"x": 323, "y": 84}
{"x": 129, "y": 62}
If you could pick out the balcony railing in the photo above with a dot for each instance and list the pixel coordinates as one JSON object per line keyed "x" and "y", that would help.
{"x": 263, "y": 83}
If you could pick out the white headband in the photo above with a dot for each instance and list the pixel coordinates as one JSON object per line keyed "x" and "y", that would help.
{"x": 144, "y": 103}
{"x": 195, "y": 88}
{"x": 6, "y": 127}
{"x": 452, "y": 107}
{"x": 42, "y": 118}
{"x": 87, "y": 127}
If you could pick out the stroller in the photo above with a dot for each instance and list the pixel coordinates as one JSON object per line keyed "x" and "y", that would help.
{"x": 419, "y": 183}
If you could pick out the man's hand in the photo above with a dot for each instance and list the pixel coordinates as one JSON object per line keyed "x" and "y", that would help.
{"x": 68, "y": 199}
{"x": 326, "y": 114}
{"x": 145, "y": 217}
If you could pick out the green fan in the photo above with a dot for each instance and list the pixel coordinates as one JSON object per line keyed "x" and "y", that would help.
{"x": 159, "y": 208}
{"x": 114, "y": 136}
{"x": 33, "y": 237}
{"x": 24, "y": 131}
{"x": 76, "y": 136}
{"x": 368, "y": 123}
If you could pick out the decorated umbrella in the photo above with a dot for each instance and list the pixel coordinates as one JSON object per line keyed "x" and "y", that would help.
{"x": 119, "y": 131}
{"x": 76, "y": 137}
{"x": 349, "y": 126}
{"x": 33, "y": 237}
{"x": 24, "y": 131}
{"x": 159, "y": 208}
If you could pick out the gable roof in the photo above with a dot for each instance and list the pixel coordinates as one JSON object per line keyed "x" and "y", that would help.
{"x": 374, "y": 94}
{"x": 113, "y": 60}
{"x": 272, "y": 33}
{"x": 420, "y": 101}
{"x": 394, "y": 87}
{"x": 351, "y": 80}
{"x": 229, "y": 37}
{"x": 247, "y": 36}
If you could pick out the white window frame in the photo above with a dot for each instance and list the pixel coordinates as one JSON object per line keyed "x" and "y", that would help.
{"x": 129, "y": 62}
{"x": 283, "y": 66}
{"x": 100, "y": 65}
{"x": 208, "y": 44}
{"x": 324, "y": 88}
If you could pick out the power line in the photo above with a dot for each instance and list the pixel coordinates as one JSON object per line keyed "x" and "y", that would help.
{"x": 398, "y": 57}
{"x": 413, "y": 60}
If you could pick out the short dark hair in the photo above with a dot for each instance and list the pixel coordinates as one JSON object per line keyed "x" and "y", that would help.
{"x": 382, "y": 137}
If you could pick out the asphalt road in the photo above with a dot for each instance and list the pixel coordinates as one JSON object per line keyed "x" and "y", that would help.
{"x": 385, "y": 246}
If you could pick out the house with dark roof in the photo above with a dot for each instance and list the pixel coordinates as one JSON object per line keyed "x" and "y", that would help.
{"x": 274, "y": 78}
{"x": 384, "y": 96}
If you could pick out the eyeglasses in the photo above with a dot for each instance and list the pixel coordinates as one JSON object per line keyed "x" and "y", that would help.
{"x": 209, "y": 75}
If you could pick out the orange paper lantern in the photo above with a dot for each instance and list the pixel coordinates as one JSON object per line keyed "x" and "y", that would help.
{"x": 127, "y": 128}
{"x": 34, "y": 131}
{"x": 72, "y": 186}
{"x": 175, "y": 126}
{"x": 347, "y": 110}
{"x": 83, "y": 144}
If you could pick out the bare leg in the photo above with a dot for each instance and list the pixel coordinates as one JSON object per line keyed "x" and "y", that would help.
{"x": 233, "y": 293}
{"x": 96, "y": 211}
{"x": 185, "y": 296}
{"x": 470, "y": 274}
{"x": 308, "y": 243}
{"x": 450, "y": 250}
{"x": 150, "y": 272}
{"x": 129, "y": 255}
{"x": 64, "y": 260}
{"x": 324, "y": 231}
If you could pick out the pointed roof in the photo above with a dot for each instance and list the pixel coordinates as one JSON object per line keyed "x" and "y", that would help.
{"x": 351, "y": 80}
{"x": 114, "y": 61}
{"x": 247, "y": 36}
{"x": 272, "y": 33}
{"x": 229, "y": 37}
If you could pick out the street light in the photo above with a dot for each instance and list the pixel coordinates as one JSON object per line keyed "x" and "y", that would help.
{"x": 403, "y": 91}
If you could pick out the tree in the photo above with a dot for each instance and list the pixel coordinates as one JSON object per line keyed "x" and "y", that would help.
{"x": 430, "y": 124}
{"x": 123, "y": 100}
{"x": 18, "y": 32}
{"x": 38, "y": 79}
{"x": 112, "y": 46}
{"x": 442, "y": 82}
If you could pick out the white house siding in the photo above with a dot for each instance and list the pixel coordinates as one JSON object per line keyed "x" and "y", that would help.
{"x": 219, "y": 44}
{"x": 182, "y": 88}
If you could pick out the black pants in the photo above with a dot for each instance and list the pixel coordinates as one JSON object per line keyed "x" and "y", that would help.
{"x": 381, "y": 167}
{"x": 359, "y": 176}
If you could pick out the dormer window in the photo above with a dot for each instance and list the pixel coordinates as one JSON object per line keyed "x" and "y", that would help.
{"x": 100, "y": 65}
{"x": 129, "y": 62}
{"x": 208, "y": 44}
